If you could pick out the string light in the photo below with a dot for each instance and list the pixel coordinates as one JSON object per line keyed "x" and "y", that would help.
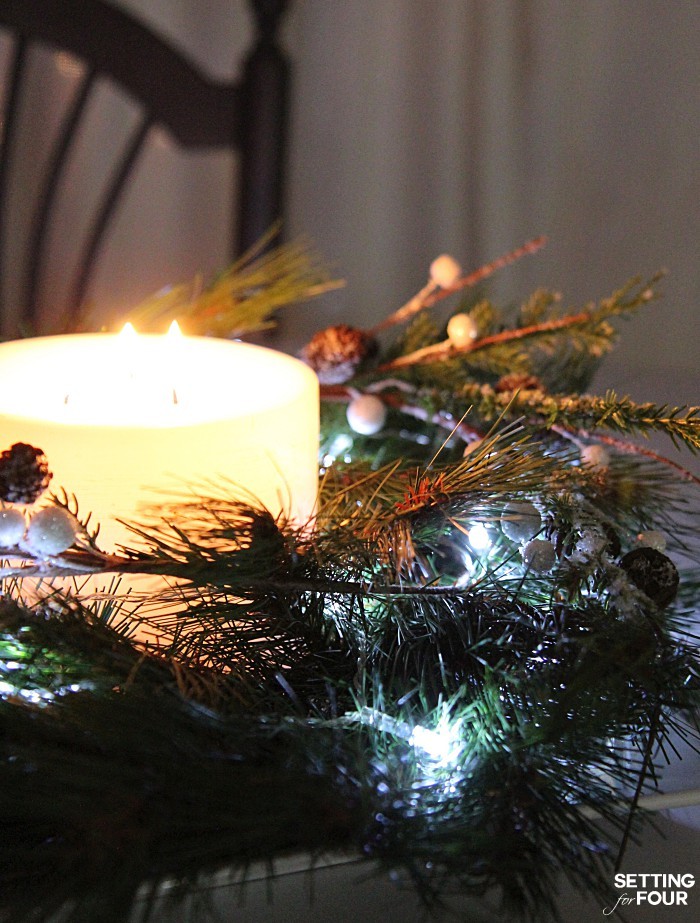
{"x": 339, "y": 447}
{"x": 441, "y": 746}
{"x": 479, "y": 537}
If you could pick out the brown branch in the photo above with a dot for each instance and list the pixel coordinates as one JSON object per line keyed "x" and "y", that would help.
{"x": 438, "y": 352}
{"x": 628, "y": 448}
{"x": 531, "y": 246}
{"x": 430, "y": 294}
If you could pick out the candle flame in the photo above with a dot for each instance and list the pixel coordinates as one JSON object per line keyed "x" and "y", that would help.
{"x": 144, "y": 364}
{"x": 174, "y": 335}
{"x": 128, "y": 331}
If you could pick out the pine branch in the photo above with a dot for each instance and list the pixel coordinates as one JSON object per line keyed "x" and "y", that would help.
{"x": 82, "y": 564}
{"x": 571, "y": 416}
{"x": 514, "y": 673}
{"x": 243, "y": 298}
{"x": 628, "y": 448}
{"x": 591, "y": 413}
{"x": 592, "y": 323}
{"x": 432, "y": 293}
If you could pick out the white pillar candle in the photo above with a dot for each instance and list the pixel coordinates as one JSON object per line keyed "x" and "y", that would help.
{"x": 125, "y": 420}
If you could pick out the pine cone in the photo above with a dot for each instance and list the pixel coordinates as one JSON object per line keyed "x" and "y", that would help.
{"x": 518, "y": 382}
{"x": 336, "y": 353}
{"x": 653, "y": 573}
{"x": 24, "y": 474}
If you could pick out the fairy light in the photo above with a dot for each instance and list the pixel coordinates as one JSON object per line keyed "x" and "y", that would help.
{"x": 440, "y": 745}
{"x": 479, "y": 537}
{"x": 339, "y": 447}
{"x": 39, "y": 696}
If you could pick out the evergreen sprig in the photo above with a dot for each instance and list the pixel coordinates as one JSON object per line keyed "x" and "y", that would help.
{"x": 244, "y": 297}
{"x": 588, "y": 412}
{"x": 400, "y": 680}
{"x": 540, "y": 332}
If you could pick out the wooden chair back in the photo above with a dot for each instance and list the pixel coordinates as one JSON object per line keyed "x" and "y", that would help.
{"x": 248, "y": 116}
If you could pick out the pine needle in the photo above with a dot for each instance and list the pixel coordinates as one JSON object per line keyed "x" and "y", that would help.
{"x": 243, "y": 298}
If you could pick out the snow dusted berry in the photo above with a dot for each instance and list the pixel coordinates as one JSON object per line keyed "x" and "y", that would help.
{"x": 12, "y": 526}
{"x": 51, "y": 531}
{"x": 539, "y": 555}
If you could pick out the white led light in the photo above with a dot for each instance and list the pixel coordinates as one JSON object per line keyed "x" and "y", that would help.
{"x": 437, "y": 746}
{"x": 341, "y": 443}
{"x": 479, "y": 538}
{"x": 435, "y": 749}
{"x": 338, "y": 447}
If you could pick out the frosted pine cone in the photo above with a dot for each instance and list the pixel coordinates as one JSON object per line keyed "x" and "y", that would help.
{"x": 24, "y": 473}
{"x": 336, "y": 353}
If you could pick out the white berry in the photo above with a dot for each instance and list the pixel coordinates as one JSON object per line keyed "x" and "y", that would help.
{"x": 539, "y": 555}
{"x": 445, "y": 271}
{"x": 366, "y": 414}
{"x": 51, "y": 531}
{"x": 590, "y": 543}
{"x": 520, "y": 520}
{"x": 12, "y": 526}
{"x": 462, "y": 330}
{"x": 595, "y": 456}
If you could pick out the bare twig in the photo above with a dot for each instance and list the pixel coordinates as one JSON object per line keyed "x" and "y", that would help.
{"x": 431, "y": 293}
{"x": 446, "y": 349}
{"x": 75, "y": 562}
{"x": 628, "y": 448}
{"x": 412, "y": 306}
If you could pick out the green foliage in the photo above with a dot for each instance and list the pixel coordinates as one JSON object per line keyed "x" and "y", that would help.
{"x": 562, "y": 349}
{"x": 618, "y": 414}
{"x": 243, "y": 298}
{"x": 357, "y": 685}
{"x": 311, "y": 661}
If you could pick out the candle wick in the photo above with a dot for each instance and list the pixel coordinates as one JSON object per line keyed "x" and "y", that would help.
{"x": 175, "y": 401}
{"x": 65, "y": 399}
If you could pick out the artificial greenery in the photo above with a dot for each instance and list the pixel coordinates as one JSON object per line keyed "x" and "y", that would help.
{"x": 481, "y": 715}
{"x": 242, "y": 299}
